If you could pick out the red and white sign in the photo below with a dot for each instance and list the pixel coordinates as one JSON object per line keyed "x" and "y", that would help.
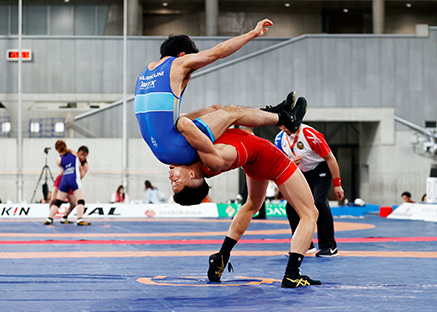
{"x": 13, "y": 55}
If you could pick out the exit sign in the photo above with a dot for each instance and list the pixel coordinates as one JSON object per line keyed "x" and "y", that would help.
{"x": 13, "y": 55}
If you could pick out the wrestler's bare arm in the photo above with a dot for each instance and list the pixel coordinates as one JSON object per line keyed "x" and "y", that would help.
{"x": 191, "y": 62}
{"x": 83, "y": 170}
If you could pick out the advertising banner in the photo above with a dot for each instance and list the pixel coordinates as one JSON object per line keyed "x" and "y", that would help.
{"x": 19, "y": 211}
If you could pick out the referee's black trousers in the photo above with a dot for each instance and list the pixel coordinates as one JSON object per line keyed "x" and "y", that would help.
{"x": 319, "y": 180}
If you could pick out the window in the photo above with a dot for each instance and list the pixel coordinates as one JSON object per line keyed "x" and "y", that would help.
{"x": 35, "y": 17}
{"x": 61, "y": 20}
{"x": 84, "y": 20}
{"x": 4, "y": 20}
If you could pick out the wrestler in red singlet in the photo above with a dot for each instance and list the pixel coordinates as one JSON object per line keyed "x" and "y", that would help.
{"x": 259, "y": 158}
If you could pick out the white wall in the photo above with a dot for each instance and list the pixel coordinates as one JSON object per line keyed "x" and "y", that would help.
{"x": 387, "y": 170}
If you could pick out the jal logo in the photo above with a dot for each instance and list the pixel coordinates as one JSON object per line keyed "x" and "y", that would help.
{"x": 150, "y": 213}
{"x": 299, "y": 145}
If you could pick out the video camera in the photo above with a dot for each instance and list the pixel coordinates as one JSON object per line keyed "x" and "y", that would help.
{"x": 47, "y": 149}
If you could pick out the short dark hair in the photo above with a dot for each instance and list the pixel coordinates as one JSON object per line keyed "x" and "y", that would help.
{"x": 174, "y": 45}
{"x": 84, "y": 149}
{"x": 192, "y": 195}
{"x": 408, "y": 194}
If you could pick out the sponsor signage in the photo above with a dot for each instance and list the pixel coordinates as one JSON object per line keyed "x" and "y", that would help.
{"x": 415, "y": 211}
{"x": 272, "y": 210}
{"x": 207, "y": 210}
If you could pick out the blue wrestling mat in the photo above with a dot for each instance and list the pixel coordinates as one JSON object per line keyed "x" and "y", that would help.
{"x": 160, "y": 265}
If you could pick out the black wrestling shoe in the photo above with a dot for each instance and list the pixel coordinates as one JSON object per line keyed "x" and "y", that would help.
{"x": 287, "y": 104}
{"x": 327, "y": 253}
{"x": 83, "y": 223}
{"x": 288, "y": 120}
{"x": 311, "y": 249}
{"x": 299, "y": 281}
{"x": 217, "y": 265}
{"x": 298, "y": 113}
{"x": 65, "y": 221}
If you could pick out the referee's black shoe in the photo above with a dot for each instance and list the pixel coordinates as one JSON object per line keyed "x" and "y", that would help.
{"x": 299, "y": 281}
{"x": 217, "y": 264}
{"x": 286, "y": 104}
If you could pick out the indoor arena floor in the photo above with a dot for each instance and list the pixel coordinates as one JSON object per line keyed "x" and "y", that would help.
{"x": 160, "y": 265}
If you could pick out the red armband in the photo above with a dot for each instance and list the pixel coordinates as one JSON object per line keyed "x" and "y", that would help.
{"x": 336, "y": 182}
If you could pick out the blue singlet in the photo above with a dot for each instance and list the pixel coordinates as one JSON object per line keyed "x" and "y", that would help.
{"x": 157, "y": 110}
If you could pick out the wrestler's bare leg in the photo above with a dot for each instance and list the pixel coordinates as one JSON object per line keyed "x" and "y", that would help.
{"x": 220, "y": 120}
{"x": 54, "y": 195}
{"x": 256, "y": 194}
{"x": 80, "y": 208}
{"x": 53, "y": 208}
{"x": 72, "y": 201}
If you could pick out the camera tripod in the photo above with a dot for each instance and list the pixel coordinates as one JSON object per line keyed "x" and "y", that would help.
{"x": 44, "y": 172}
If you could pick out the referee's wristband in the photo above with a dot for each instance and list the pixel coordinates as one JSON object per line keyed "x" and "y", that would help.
{"x": 336, "y": 182}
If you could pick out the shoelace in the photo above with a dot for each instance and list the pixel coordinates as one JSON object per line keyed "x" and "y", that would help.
{"x": 230, "y": 267}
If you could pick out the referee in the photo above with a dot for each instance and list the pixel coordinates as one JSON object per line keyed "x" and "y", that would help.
{"x": 308, "y": 149}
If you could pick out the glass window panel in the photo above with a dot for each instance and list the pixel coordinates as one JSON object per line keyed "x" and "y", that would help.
{"x": 14, "y": 20}
{"x": 61, "y": 20}
{"x": 84, "y": 19}
{"x": 36, "y": 20}
{"x": 4, "y": 19}
{"x": 102, "y": 16}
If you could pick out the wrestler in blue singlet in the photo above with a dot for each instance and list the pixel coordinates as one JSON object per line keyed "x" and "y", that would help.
{"x": 157, "y": 110}
{"x": 71, "y": 176}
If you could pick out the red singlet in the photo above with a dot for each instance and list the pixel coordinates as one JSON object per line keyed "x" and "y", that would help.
{"x": 259, "y": 158}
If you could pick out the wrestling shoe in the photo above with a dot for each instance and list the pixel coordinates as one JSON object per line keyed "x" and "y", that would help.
{"x": 327, "y": 253}
{"x": 287, "y": 120}
{"x": 286, "y": 104}
{"x": 66, "y": 221}
{"x": 312, "y": 248}
{"x": 299, "y": 281}
{"x": 83, "y": 223}
{"x": 48, "y": 221}
{"x": 217, "y": 265}
{"x": 298, "y": 112}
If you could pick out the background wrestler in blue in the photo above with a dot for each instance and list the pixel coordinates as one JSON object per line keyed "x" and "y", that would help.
{"x": 71, "y": 179}
{"x": 159, "y": 91}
